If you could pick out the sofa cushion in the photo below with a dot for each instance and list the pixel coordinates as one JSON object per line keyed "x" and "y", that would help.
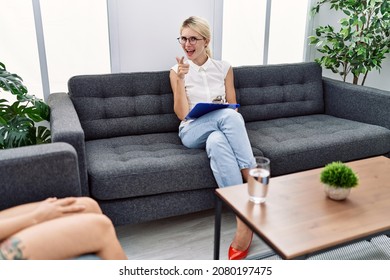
{"x": 305, "y": 142}
{"x": 123, "y": 104}
{"x": 279, "y": 91}
{"x": 143, "y": 165}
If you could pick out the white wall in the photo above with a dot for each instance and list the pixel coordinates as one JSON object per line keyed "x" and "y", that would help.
{"x": 374, "y": 78}
{"x": 143, "y": 33}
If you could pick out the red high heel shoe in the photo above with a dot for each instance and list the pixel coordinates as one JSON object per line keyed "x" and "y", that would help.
{"x": 235, "y": 254}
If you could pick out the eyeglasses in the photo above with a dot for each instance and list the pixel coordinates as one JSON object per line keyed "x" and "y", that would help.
{"x": 182, "y": 40}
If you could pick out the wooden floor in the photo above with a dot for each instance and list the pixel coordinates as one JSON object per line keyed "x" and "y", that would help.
{"x": 187, "y": 237}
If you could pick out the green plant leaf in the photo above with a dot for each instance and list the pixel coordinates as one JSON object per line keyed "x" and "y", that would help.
{"x": 362, "y": 42}
{"x": 43, "y": 135}
{"x": 44, "y": 110}
{"x": 38, "y": 113}
{"x": 337, "y": 174}
{"x": 348, "y": 13}
{"x": 17, "y": 120}
{"x": 19, "y": 132}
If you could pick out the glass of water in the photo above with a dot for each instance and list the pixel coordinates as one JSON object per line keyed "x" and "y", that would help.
{"x": 258, "y": 180}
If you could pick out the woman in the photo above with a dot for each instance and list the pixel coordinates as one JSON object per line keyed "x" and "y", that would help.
{"x": 57, "y": 229}
{"x": 221, "y": 132}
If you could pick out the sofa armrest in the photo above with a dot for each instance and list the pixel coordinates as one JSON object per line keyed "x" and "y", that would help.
{"x": 358, "y": 103}
{"x": 37, "y": 172}
{"x": 65, "y": 127}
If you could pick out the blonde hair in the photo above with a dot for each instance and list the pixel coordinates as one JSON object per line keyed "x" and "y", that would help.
{"x": 201, "y": 26}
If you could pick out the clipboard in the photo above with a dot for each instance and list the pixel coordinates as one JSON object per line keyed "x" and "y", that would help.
{"x": 201, "y": 109}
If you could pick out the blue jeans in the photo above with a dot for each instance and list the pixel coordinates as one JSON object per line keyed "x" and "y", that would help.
{"x": 223, "y": 134}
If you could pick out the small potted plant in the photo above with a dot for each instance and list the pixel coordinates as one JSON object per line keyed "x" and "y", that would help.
{"x": 338, "y": 179}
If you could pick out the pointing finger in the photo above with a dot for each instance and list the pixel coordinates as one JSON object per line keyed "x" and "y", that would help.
{"x": 180, "y": 60}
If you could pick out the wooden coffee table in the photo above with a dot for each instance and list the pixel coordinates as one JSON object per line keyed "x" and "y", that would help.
{"x": 297, "y": 220}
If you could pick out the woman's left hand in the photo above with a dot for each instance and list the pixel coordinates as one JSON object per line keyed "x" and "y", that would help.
{"x": 52, "y": 208}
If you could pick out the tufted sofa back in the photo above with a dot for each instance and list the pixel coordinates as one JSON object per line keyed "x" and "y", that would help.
{"x": 113, "y": 105}
{"x": 278, "y": 91}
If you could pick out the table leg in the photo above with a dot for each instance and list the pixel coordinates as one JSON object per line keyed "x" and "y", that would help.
{"x": 217, "y": 227}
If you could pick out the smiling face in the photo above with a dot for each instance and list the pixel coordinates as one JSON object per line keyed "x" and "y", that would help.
{"x": 196, "y": 52}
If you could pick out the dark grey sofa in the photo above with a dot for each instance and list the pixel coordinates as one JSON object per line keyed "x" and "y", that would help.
{"x": 133, "y": 163}
{"x": 34, "y": 173}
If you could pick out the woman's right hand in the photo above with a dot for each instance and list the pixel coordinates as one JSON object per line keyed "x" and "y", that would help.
{"x": 52, "y": 208}
{"x": 182, "y": 68}
{"x": 180, "y": 102}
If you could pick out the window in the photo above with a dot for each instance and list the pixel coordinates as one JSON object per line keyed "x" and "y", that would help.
{"x": 243, "y": 31}
{"x": 76, "y": 39}
{"x": 247, "y": 40}
{"x": 287, "y": 31}
{"x": 75, "y": 34}
{"x": 18, "y": 48}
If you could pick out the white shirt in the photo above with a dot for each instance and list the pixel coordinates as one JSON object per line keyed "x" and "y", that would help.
{"x": 206, "y": 82}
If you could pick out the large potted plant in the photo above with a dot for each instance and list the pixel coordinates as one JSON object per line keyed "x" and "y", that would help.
{"x": 338, "y": 179}
{"x": 361, "y": 42}
{"x": 19, "y": 121}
